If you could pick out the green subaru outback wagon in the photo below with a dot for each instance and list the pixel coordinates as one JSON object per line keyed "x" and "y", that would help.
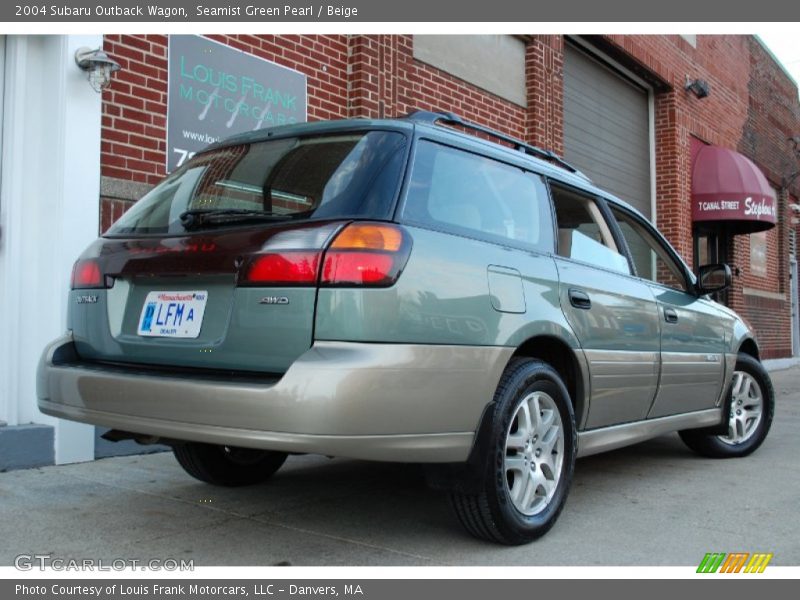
{"x": 401, "y": 290}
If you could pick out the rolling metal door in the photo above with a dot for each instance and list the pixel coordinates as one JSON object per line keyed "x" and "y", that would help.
{"x": 606, "y": 128}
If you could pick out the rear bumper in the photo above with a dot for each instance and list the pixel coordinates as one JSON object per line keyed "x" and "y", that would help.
{"x": 391, "y": 402}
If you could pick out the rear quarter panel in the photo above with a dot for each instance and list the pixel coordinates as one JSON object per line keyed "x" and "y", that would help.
{"x": 443, "y": 297}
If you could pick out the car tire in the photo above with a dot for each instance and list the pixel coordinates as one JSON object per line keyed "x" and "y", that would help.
{"x": 227, "y": 465}
{"x": 531, "y": 460}
{"x": 752, "y": 406}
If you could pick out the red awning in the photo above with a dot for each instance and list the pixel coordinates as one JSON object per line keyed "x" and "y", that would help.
{"x": 727, "y": 188}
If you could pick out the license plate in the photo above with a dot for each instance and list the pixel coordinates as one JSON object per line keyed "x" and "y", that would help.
{"x": 173, "y": 314}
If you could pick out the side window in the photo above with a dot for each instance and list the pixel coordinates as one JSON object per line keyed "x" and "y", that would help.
{"x": 479, "y": 197}
{"x": 583, "y": 233}
{"x": 649, "y": 257}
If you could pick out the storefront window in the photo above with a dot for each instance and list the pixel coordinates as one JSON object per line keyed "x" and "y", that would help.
{"x": 703, "y": 250}
{"x": 758, "y": 254}
{"x": 707, "y": 249}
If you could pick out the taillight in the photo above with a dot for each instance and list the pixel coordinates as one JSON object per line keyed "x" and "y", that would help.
{"x": 366, "y": 254}
{"x": 291, "y": 267}
{"x": 361, "y": 254}
{"x": 357, "y": 268}
{"x": 86, "y": 274}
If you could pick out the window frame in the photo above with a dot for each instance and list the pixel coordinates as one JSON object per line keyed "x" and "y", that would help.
{"x": 668, "y": 251}
{"x": 467, "y": 233}
{"x": 610, "y": 223}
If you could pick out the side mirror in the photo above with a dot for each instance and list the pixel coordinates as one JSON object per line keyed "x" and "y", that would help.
{"x": 713, "y": 278}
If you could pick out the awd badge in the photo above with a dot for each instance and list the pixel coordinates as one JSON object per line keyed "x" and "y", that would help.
{"x": 274, "y": 300}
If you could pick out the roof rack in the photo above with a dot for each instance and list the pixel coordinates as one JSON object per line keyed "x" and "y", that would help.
{"x": 448, "y": 118}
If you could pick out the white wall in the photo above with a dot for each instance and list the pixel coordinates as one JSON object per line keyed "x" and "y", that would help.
{"x": 49, "y": 210}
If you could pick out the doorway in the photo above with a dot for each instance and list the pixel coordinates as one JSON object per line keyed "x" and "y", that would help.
{"x": 711, "y": 247}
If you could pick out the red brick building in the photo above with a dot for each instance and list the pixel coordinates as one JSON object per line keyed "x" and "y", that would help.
{"x": 619, "y": 99}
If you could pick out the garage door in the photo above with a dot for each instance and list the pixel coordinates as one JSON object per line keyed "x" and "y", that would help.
{"x": 606, "y": 128}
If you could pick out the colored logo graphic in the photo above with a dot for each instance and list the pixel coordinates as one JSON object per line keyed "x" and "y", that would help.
{"x": 736, "y": 562}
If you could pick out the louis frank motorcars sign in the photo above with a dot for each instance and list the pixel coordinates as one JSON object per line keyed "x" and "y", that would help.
{"x": 216, "y": 91}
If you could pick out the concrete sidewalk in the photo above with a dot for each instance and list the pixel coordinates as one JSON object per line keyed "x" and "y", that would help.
{"x": 651, "y": 504}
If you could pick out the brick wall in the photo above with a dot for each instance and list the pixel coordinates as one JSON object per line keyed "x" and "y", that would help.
{"x": 761, "y": 314}
{"x": 388, "y": 81}
{"x": 544, "y": 70}
{"x": 752, "y": 108}
{"x": 134, "y": 109}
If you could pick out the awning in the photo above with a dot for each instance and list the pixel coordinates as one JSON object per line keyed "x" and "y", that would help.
{"x": 728, "y": 189}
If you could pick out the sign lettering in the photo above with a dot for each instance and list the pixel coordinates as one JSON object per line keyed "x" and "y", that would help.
{"x": 216, "y": 91}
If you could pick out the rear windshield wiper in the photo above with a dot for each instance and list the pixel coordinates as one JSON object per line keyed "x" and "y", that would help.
{"x": 192, "y": 219}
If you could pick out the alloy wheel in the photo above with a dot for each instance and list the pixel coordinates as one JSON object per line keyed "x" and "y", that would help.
{"x": 534, "y": 453}
{"x": 746, "y": 409}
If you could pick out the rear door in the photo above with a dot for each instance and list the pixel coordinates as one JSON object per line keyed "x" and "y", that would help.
{"x": 692, "y": 330}
{"x": 613, "y": 314}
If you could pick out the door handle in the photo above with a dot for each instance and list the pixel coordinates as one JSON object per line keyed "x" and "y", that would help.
{"x": 670, "y": 316}
{"x": 580, "y": 299}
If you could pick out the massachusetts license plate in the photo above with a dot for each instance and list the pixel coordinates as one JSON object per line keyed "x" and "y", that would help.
{"x": 173, "y": 314}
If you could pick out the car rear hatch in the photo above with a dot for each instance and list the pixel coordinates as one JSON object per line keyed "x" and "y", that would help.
{"x": 218, "y": 267}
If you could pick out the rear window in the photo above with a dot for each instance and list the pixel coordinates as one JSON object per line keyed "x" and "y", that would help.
{"x": 349, "y": 175}
{"x": 476, "y": 196}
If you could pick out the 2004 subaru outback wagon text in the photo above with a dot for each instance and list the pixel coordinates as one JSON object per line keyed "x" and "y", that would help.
{"x": 400, "y": 290}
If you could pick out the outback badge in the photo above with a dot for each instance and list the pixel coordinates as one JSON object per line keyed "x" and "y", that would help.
{"x": 89, "y": 299}
{"x": 274, "y": 300}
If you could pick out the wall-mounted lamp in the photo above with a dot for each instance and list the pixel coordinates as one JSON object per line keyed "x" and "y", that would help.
{"x": 699, "y": 87}
{"x": 97, "y": 65}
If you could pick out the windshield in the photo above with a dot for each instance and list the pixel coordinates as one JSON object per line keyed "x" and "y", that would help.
{"x": 350, "y": 175}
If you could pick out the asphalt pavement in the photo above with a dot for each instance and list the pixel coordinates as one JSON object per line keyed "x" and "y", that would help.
{"x": 651, "y": 504}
